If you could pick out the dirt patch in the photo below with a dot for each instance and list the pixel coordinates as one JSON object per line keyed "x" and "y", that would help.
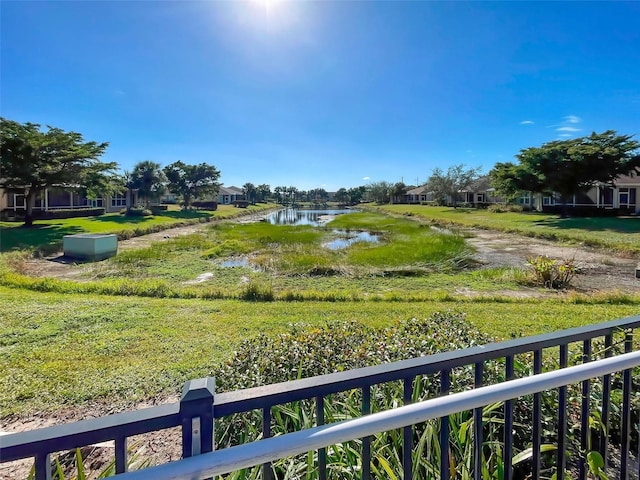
{"x": 156, "y": 447}
{"x": 599, "y": 271}
{"x": 58, "y": 266}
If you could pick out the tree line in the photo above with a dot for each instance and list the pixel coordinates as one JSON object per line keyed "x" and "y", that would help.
{"x": 34, "y": 159}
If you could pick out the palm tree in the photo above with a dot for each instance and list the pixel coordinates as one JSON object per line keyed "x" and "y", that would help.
{"x": 149, "y": 179}
{"x": 292, "y": 195}
{"x": 249, "y": 190}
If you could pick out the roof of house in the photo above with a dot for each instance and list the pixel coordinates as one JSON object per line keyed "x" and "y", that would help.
{"x": 230, "y": 190}
{"x": 418, "y": 191}
{"x": 627, "y": 180}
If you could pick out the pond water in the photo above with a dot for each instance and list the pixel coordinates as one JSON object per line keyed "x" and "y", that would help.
{"x": 349, "y": 238}
{"x": 294, "y": 216}
{"x": 235, "y": 262}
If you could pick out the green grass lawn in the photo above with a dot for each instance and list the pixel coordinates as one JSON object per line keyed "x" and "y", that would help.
{"x": 59, "y": 350}
{"x": 621, "y": 234}
{"x": 46, "y": 235}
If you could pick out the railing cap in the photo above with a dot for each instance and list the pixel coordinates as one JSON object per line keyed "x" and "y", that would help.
{"x": 198, "y": 389}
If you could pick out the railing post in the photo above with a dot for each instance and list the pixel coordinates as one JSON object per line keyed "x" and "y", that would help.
{"x": 43, "y": 467}
{"x": 196, "y": 414}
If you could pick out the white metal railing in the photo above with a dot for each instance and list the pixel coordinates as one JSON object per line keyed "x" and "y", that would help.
{"x": 248, "y": 455}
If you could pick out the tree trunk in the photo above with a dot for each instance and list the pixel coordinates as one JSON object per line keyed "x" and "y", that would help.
{"x": 564, "y": 212}
{"x": 30, "y": 200}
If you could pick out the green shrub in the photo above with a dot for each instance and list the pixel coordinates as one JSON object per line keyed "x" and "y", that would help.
{"x": 503, "y": 207}
{"x": 138, "y": 212}
{"x": 552, "y": 273}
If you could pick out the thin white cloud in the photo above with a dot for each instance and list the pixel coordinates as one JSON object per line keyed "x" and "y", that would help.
{"x": 119, "y": 92}
{"x": 527, "y": 122}
{"x": 567, "y": 129}
{"x": 572, "y": 119}
{"x": 564, "y": 135}
{"x": 366, "y": 178}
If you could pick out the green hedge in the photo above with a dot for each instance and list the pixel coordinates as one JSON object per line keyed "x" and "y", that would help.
{"x": 10, "y": 214}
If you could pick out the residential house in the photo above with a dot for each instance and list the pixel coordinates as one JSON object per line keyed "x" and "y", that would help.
{"x": 63, "y": 198}
{"x": 419, "y": 195}
{"x": 479, "y": 193}
{"x": 229, "y": 195}
{"x": 623, "y": 195}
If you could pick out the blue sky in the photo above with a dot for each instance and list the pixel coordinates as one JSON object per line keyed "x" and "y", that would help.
{"x": 322, "y": 93}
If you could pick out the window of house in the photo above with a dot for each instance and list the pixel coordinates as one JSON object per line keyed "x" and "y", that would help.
{"x": 624, "y": 197}
{"x": 18, "y": 201}
{"x": 119, "y": 200}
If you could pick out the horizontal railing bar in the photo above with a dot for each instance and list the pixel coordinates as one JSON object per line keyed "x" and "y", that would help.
{"x": 68, "y": 436}
{"x": 15, "y": 446}
{"x": 277, "y": 393}
{"x": 248, "y": 455}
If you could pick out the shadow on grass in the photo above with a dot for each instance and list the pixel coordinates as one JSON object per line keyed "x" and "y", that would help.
{"x": 46, "y": 238}
{"x": 594, "y": 224}
{"x": 175, "y": 215}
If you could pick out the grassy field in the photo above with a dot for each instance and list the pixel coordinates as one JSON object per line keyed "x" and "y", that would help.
{"x": 621, "y": 234}
{"x": 46, "y": 235}
{"x": 69, "y": 342}
{"x": 58, "y": 350}
{"x": 409, "y": 262}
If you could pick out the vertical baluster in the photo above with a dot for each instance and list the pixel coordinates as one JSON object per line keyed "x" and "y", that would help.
{"x": 537, "y": 417}
{"x": 322, "y": 452}
{"x": 562, "y": 418}
{"x": 625, "y": 414}
{"x": 445, "y": 385}
{"x": 508, "y": 424}
{"x": 121, "y": 454}
{"x": 606, "y": 399}
{"x": 366, "y": 441}
{"x": 267, "y": 473}
{"x": 407, "y": 440}
{"x": 43, "y": 467}
{"x": 584, "y": 413}
{"x": 477, "y": 427}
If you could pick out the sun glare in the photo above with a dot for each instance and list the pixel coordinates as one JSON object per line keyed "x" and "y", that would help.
{"x": 269, "y": 7}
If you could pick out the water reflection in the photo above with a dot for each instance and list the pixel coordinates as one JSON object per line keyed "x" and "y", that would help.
{"x": 235, "y": 262}
{"x": 349, "y": 238}
{"x": 293, "y": 216}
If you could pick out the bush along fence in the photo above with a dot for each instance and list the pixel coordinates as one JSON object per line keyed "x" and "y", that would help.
{"x": 561, "y": 405}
